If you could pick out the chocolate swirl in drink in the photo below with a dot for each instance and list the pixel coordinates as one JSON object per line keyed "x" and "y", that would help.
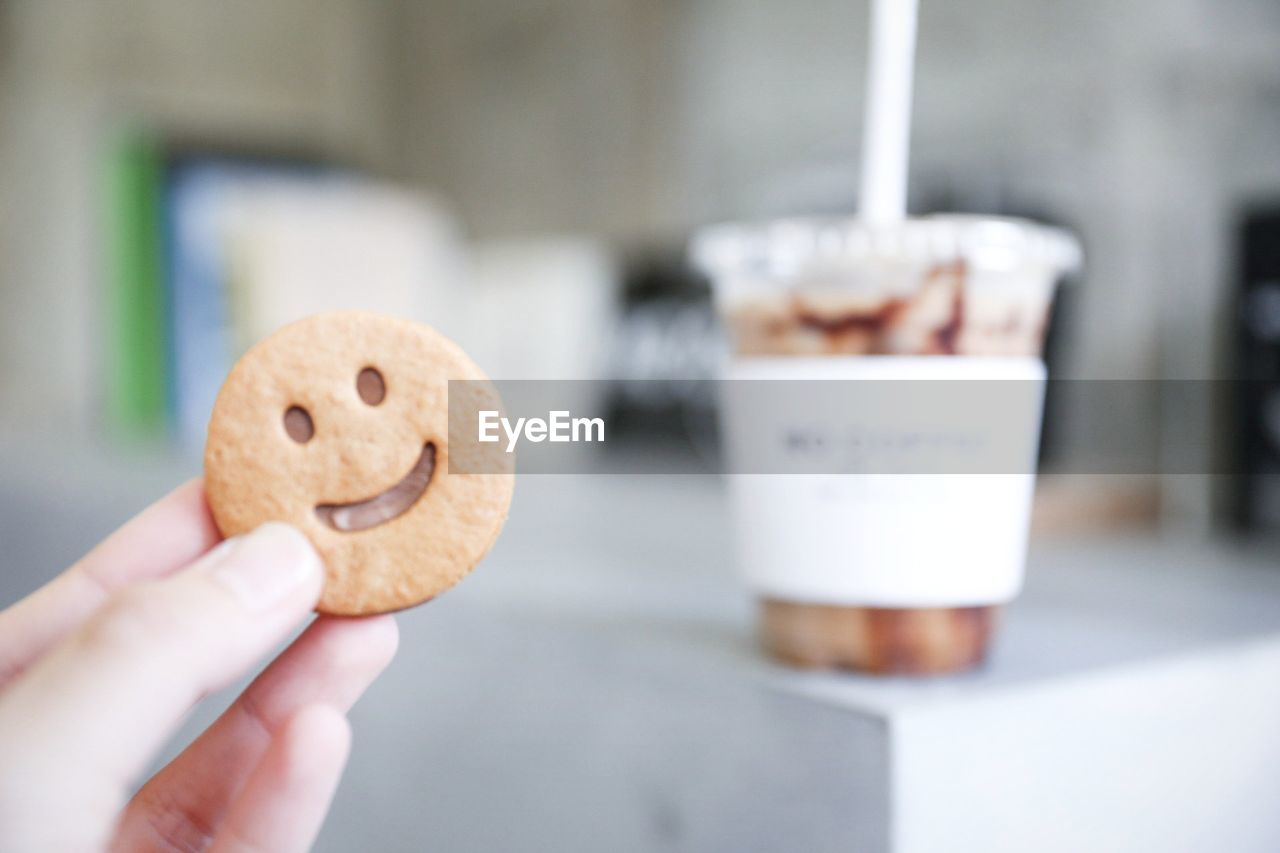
{"x": 946, "y": 286}
{"x": 939, "y": 318}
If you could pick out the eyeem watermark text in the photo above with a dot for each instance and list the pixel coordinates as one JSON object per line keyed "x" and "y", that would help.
{"x": 558, "y": 426}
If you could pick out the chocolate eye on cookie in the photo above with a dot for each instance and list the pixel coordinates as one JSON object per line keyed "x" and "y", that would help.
{"x": 371, "y": 487}
{"x": 297, "y": 423}
{"x": 370, "y": 387}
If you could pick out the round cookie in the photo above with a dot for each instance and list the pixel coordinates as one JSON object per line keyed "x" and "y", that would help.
{"x": 339, "y": 425}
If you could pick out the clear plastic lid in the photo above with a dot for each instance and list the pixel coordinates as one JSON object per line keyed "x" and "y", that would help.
{"x": 787, "y": 247}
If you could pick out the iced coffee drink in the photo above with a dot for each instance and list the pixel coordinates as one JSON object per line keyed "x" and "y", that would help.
{"x": 893, "y": 574}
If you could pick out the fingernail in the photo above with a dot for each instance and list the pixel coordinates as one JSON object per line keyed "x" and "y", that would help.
{"x": 265, "y": 566}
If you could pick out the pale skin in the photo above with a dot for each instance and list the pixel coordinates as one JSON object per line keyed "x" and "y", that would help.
{"x": 100, "y": 666}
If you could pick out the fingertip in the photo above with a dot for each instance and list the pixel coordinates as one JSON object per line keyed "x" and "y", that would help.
{"x": 190, "y": 499}
{"x": 318, "y": 736}
{"x": 283, "y": 804}
{"x": 383, "y": 637}
{"x": 359, "y": 647}
{"x": 192, "y": 493}
{"x": 298, "y": 547}
{"x": 272, "y": 565}
{"x": 290, "y": 535}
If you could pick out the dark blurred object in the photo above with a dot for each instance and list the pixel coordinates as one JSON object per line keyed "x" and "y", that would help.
{"x": 1255, "y": 331}
{"x": 667, "y": 335}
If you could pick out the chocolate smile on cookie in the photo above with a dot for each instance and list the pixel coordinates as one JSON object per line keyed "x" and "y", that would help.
{"x": 321, "y": 414}
{"x": 381, "y": 508}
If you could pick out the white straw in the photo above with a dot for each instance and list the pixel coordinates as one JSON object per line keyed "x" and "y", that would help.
{"x": 886, "y": 133}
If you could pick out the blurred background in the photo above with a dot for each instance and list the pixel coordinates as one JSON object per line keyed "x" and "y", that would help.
{"x": 543, "y": 164}
{"x": 179, "y": 177}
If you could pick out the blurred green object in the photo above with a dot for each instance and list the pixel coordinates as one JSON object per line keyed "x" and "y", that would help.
{"x": 136, "y": 381}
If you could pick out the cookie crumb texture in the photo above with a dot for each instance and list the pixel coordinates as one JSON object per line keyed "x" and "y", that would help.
{"x": 399, "y": 544}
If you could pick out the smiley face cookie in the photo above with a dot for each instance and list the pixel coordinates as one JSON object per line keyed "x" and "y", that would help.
{"x": 338, "y": 424}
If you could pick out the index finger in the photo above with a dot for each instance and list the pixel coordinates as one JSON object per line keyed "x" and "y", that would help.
{"x": 157, "y": 542}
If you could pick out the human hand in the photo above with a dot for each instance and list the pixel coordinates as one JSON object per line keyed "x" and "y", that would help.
{"x": 98, "y": 668}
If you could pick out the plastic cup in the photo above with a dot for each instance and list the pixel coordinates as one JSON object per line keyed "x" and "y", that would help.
{"x": 890, "y": 572}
